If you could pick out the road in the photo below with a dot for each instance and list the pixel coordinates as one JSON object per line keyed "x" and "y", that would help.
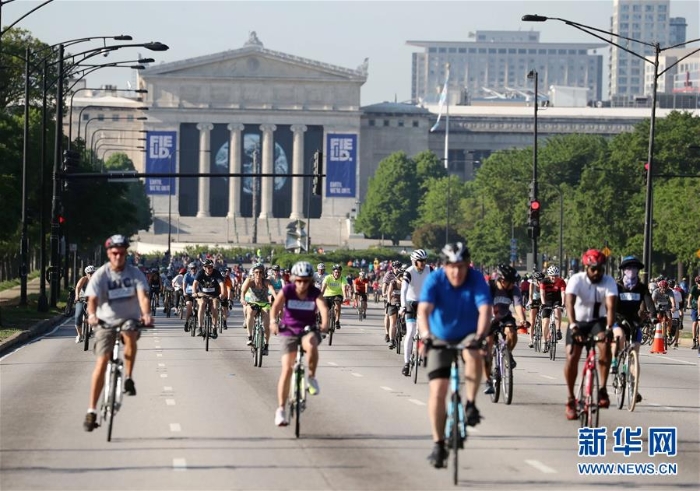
{"x": 204, "y": 420}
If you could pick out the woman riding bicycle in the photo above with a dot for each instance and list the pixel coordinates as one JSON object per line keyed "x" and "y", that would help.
{"x": 80, "y": 302}
{"x": 257, "y": 290}
{"x": 298, "y": 303}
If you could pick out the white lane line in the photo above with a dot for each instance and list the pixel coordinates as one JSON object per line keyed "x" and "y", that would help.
{"x": 355, "y": 374}
{"x": 159, "y": 355}
{"x": 664, "y": 357}
{"x": 417, "y": 402}
{"x": 161, "y": 364}
{"x": 654, "y": 404}
{"x": 157, "y": 347}
{"x": 179, "y": 464}
{"x": 163, "y": 375}
{"x": 547, "y": 376}
{"x": 170, "y": 402}
{"x": 332, "y": 364}
{"x": 540, "y": 466}
{"x": 175, "y": 427}
{"x": 388, "y": 389}
{"x": 167, "y": 389}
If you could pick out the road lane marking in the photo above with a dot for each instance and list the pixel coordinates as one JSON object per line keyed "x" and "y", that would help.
{"x": 417, "y": 402}
{"x": 388, "y": 389}
{"x": 547, "y": 376}
{"x": 157, "y": 347}
{"x": 355, "y": 374}
{"x": 179, "y": 464}
{"x": 163, "y": 375}
{"x": 669, "y": 358}
{"x": 167, "y": 389}
{"x": 159, "y": 355}
{"x": 170, "y": 402}
{"x": 175, "y": 427}
{"x": 332, "y": 364}
{"x": 161, "y": 364}
{"x": 540, "y": 466}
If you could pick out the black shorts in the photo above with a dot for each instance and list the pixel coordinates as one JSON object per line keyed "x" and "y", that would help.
{"x": 392, "y": 309}
{"x": 535, "y": 304}
{"x": 411, "y": 311}
{"x": 507, "y": 322}
{"x": 363, "y": 296}
{"x": 587, "y": 329}
{"x": 329, "y": 300}
{"x": 548, "y": 307}
{"x": 439, "y": 362}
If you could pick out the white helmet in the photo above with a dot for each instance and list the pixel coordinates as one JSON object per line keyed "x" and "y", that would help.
{"x": 552, "y": 271}
{"x": 303, "y": 269}
{"x": 418, "y": 255}
{"x": 89, "y": 269}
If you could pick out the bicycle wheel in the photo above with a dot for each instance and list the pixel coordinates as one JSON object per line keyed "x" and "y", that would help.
{"x": 456, "y": 437}
{"x": 166, "y": 306}
{"x": 259, "y": 344}
{"x": 538, "y": 334}
{"x": 207, "y": 328}
{"x": 416, "y": 362}
{"x": 593, "y": 409}
{"x": 111, "y": 399}
{"x": 193, "y": 325}
{"x": 507, "y": 376}
{"x": 298, "y": 400}
{"x": 619, "y": 380}
{"x": 632, "y": 379}
{"x": 553, "y": 344}
{"x": 582, "y": 400}
{"x": 399, "y": 338}
{"x": 86, "y": 335}
{"x": 495, "y": 376}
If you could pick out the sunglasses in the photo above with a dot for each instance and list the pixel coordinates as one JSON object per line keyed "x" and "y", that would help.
{"x": 301, "y": 280}
{"x": 420, "y": 260}
{"x": 595, "y": 269}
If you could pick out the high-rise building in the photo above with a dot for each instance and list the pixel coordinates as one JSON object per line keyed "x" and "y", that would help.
{"x": 644, "y": 20}
{"x": 497, "y": 60}
{"x": 677, "y": 32}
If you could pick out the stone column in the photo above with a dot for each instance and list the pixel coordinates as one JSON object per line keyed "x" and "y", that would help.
{"x": 234, "y": 160}
{"x": 204, "y": 166}
{"x": 268, "y": 155}
{"x": 298, "y": 168}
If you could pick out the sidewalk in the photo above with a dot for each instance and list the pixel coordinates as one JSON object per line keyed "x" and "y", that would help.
{"x": 10, "y": 297}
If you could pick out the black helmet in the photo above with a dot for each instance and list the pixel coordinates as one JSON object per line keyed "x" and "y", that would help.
{"x": 455, "y": 253}
{"x": 631, "y": 261}
{"x": 116, "y": 241}
{"x": 506, "y": 272}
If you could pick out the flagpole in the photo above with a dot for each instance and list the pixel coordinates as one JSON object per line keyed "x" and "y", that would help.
{"x": 447, "y": 150}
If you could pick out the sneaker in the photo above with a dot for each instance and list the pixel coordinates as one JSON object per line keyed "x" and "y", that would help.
{"x": 472, "y": 414}
{"x": 200, "y": 333}
{"x": 513, "y": 364}
{"x": 638, "y": 399}
{"x": 603, "y": 399}
{"x": 386, "y": 338}
{"x": 364, "y": 314}
{"x": 250, "y": 341}
{"x": 558, "y": 335}
{"x": 438, "y": 456}
{"x": 406, "y": 371}
{"x": 90, "y": 422}
{"x": 695, "y": 345}
{"x": 281, "y": 417}
{"x": 488, "y": 387}
{"x": 337, "y": 325}
{"x": 546, "y": 348}
{"x": 531, "y": 345}
{"x": 265, "y": 350}
{"x": 187, "y": 327}
{"x": 214, "y": 334}
{"x": 225, "y": 326}
{"x": 571, "y": 410}
{"x": 129, "y": 387}
{"x": 613, "y": 366}
{"x": 77, "y": 339}
{"x": 313, "y": 386}
{"x": 392, "y": 344}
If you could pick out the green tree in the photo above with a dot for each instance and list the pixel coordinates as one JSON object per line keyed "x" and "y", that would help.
{"x": 136, "y": 191}
{"x": 432, "y": 237}
{"x": 440, "y": 194}
{"x": 428, "y": 166}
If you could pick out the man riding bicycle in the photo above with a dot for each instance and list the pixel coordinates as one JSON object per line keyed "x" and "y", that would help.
{"x": 80, "y": 302}
{"x": 553, "y": 294}
{"x": 255, "y": 295}
{"x": 117, "y": 292}
{"x": 665, "y": 303}
{"x": 590, "y": 305}
{"x": 332, "y": 290}
{"x": 155, "y": 283}
{"x": 455, "y": 302}
{"x": 208, "y": 287}
{"x": 359, "y": 286}
{"x": 413, "y": 280}
{"x": 298, "y": 303}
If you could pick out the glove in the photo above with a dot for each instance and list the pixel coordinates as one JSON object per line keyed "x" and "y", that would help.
{"x": 402, "y": 310}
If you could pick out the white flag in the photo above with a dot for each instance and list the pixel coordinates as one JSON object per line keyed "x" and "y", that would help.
{"x": 128, "y": 84}
{"x": 443, "y": 101}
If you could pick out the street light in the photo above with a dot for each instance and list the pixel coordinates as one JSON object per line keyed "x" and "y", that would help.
{"x": 534, "y": 230}
{"x": 101, "y": 118}
{"x": 592, "y": 31}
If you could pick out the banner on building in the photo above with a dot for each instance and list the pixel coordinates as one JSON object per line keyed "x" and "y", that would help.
{"x": 341, "y": 165}
{"x": 161, "y": 158}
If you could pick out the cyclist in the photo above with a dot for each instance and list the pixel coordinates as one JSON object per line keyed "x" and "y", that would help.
{"x": 228, "y": 286}
{"x": 257, "y": 290}
{"x": 454, "y": 303}
{"x": 319, "y": 275}
{"x": 332, "y": 291}
{"x": 525, "y": 289}
{"x": 80, "y": 302}
{"x": 692, "y": 304}
{"x": 348, "y": 287}
{"x": 535, "y": 302}
{"x": 117, "y": 292}
{"x": 393, "y": 293}
{"x": 177, "y": 283}
{"x": 359, "y": 286}
{"x": 633, "y": 297}
{"x": 389, "y": 277}
{"x": 677, "y": 314}
{"x": 187, "y": 283}
{"x": 504, "y": 293}
{"x": 155, "y": 284}
{"x": 590, "y": 305}
{"x": 208, "y": 286}
{"x": 553, "y": 294}
{"x": 665, "y": 303}
{"x": 275, "y": 277}
{"x": 298, "y": 303}
{"x": 413, "y": 280}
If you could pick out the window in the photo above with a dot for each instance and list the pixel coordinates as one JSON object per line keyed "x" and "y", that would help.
{"x": 492, "y": 51}
{"x": 522, "y": 51}
{"x": 115, "y": 117}
{"x": 432, "y": 50}
{"x": 371, "y": 122}
{"x": 416, "y": 124}
{"x": 400, "y": 123}
{"x": 452, "y": 50}
{"x": 462, "y": 50}
{"x": 532, "y": 51}
{"x": 86, "y": 116}
{"x": 386, "y": 122}
{"x": 472, "y": 50}
{"x": 442, "y": 50}
{"x": 541, "y": 51}
{"x": 512, "y": 51}
{"x": 129, "y": 117}
{"x": 100, "y": 117}
{"x": 502, "y": 51}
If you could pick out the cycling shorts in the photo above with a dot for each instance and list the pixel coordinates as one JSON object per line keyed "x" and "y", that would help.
{"x": 507, "y": 322}
{"x": 290, "y": 344}
{"x": 411, "y": 311}
{"x": 587, "y": 329}
{"x": 439, "y": 362}
{"x": 105, "y": 337}
{"x": 362, "y": 296}
{"x": 547, "y": 309}
{"x": 329, "y": 300}
{"x": 694, "y": 315}
{"x": 392, "y": 309}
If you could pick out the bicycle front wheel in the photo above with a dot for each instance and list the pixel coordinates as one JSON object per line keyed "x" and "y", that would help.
{"x": 86, "y": 335}
{"x": 495, "y": 376}
{"x": 619, "y": 381}
{"x": 507, "y": 377}
{"x": 538, "y": 335}
{"x": 593, "y": 408}
{"x": 632, "y": 379}
{"x": 416, "y": 363}
{"x": 207, "y": 329}
{"x": 456, "y": 438}
{"x": 111, "y": 398}
{"x": 298, "y": 399}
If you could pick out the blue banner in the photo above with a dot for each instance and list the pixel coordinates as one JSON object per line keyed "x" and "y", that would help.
{"x": 341, "y": 164}
{"x": 161, "y": 158}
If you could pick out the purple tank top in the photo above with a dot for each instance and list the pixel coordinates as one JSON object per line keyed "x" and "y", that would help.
{"x": 298, "y": 313}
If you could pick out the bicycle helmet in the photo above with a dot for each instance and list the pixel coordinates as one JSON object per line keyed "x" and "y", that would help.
{"x": 208, "y": 262}
{"x": 552, "y": 271}
{"x": 663, "y": 284}
{"x": 395, "y": 264}
{"x": 259, "y": 266}
{"x": 154, "y": 270}
{"x": 631, "y": 261}
{"x": 593, "y": 257}
{"x": 89, "y": 269}
{"x": 182, "y": 271}
{"x": 337, "y": 267}
{"x": 362, "y": 274}
{"x": 455, "y": 252}
{"x": 321, "y": 266}
{"x": 418, "y": 255}
{"x": 537, "y": 276}
{"x": 303, "y": 269}
{"x": 116, "y": 241}
{"x": 192, "y": 266}
{"x": 506, "y": 272}
{"x": 276, "y": 267}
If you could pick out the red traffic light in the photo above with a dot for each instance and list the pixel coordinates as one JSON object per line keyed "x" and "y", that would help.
{"x": 61, "y": 219}
{"x": 646, "y": 166}
{"x": 534, "y": 205}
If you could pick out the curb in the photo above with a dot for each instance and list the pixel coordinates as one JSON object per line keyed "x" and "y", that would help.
{"x": 35, "y": 331}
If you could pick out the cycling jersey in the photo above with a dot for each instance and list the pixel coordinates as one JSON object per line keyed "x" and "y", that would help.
{"x": 298, "y": 313}
{"x": 318, "y": 279}
{"x": 551, "y": 290}
{"x": 256, "y": 294}
{"x": 361, "y": 285}
{"x": 178, "y": 282}
{"x": 333, "y": 287}
{"x": 661, "y": 300}
{"x": 154, "y": 282}
{"x": 187, "y": 282}
{"x": 209, "y": 284}
{"x": 502, "y": 300}
{"x": 630, "y": 300}
{"x": 590, "y": 297}
{"x": 412, "y": 283}
{"x": 276, "y": 283}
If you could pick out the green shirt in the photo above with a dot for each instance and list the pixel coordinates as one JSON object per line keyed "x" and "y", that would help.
{"x": 333, "y": 287}
{"x": 693, "y": 296}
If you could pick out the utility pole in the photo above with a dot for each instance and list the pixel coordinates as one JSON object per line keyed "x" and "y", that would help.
{"x": 254, "y": 190}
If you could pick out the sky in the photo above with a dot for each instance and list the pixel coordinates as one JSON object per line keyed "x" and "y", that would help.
{"x": 342, "y": 33}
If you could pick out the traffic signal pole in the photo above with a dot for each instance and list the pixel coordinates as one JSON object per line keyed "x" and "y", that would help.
{"x": 533, "y": 197}
{"x": 54, "y": 278}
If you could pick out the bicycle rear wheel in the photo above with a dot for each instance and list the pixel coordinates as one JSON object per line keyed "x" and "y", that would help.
{"x": 582, "y": 400}
{"x": 619, "y": 381}
{"x": 111, "y": 398}
{"x": 553, "y": 341}
{"x": 593, "y": 408}
{"x": 632, "y": 379}
{"x": 495, "y": 376}
{"x": 207, "y": 328}
{"x": 86, "y": 335}
{"x": 399, "y": 338}
{"x": 259, "y": 345}
{"x": 299, "y": 376}
{"x": 166, "y": 306}
{"x": 416, "y": 363}
{"x": 507, "y": 377}
{"x": 538, "y": 335}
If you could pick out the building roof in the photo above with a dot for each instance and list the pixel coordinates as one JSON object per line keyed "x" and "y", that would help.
{"x": 467, "y": 44}
{"x": 107, "y": 100}
{"x": 526, "y": 111}
{"x": 395, "y": 108}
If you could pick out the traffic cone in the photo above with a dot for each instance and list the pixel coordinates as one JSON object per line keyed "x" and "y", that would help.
{"x": 658, "y": 344}
{"x": 522, "y": 330}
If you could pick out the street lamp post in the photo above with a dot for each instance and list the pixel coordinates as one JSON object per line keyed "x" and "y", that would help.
{"x": 599, "y": 33}
{"x": 533, "y": 192}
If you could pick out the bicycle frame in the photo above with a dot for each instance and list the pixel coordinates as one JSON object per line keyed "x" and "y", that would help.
{"x": 456, "y": 423}
{"x": 501, "y": 371}
{"x": 587, "y": 397}
{"x": 298, "y": 386}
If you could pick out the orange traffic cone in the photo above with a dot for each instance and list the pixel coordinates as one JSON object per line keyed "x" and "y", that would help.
{"x": 658, "y": 344}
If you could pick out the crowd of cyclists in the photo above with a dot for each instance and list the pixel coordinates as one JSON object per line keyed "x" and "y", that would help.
{"x": 444, "y": 303}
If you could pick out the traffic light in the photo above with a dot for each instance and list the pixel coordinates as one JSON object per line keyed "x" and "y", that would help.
{"x": 646, "y": 171}
{"x": 533, "y": 218}
{"x": 71, "y": 164}
{"x": 317, "y": 188}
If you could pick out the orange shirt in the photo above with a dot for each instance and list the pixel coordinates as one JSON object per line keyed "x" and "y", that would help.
{"x": 360, "y": 285}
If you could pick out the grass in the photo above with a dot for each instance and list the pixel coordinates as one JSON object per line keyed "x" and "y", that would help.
{"x": 14, "y": 319}
{"x": 6, "y": 285}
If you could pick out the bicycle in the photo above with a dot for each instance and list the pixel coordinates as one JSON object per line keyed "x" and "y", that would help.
{"x": 626, "y": 380}
{"x": 400, "y": 332}
{"x": 220, "y": 322}
{"x": 361, "y": 309}
{"x": 648, "y": 331}
{"x": 114, "y": 381}
{"x": 377, "y": 294}
{"x": 70, "y": 302}
{"x": 207, "y": 327}
{"x": 416, "y": 359}
{"x": 258, "y": 336}
{"x": 87, "y": 332}
{"x": 553, "y": 331}
{"x": 331, "y": 317}
{"x": 537, "y": 332}
{"x": 192, "y": 323}
{"x": 154, "y": 302}
{"x": 501, "y": 369}
{"x": 167, "y": 302}
{"x": 298, "y": 385}
{"x": 587, "y": 396}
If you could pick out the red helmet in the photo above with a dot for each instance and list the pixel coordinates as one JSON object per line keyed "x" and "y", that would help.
{"x": 593, "y": 257}
{"x": 663, "y": 284}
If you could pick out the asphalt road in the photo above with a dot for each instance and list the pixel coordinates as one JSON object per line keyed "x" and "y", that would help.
{"x": 204, "y": 420}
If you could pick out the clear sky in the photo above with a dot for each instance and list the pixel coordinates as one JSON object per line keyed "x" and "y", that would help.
{"x": 339, "y": 32}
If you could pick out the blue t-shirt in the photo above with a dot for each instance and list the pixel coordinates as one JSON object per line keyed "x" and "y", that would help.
{"x": 456, "y": 312}
{"x": 188, "y": 281}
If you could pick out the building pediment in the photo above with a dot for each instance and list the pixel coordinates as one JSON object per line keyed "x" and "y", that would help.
{"x": 255, "y": 62}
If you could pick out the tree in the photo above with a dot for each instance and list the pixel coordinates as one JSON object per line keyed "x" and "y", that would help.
{"x": 441, "y": 193}
{"x": 432, "y": 237}
{"x": 392, "y": 200}
{"x": 428, "y": 166}
{"x": 136, "y": 191}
